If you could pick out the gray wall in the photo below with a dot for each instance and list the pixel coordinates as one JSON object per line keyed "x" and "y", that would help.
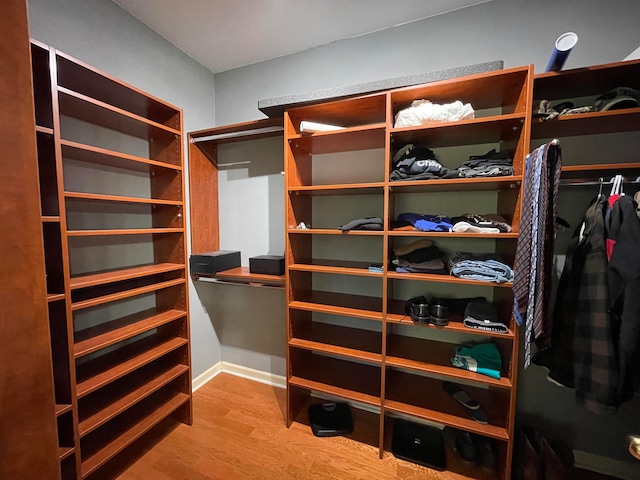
{"x": 516, "y": 31}
{"x": 103, "y": 35}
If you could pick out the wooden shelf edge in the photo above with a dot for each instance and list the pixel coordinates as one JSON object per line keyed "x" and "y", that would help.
{"x": 110, "y": 450}
{"x": 101, "y": 379}
{"x": 445, "y": 279}
{"x": 327, "y": 231}
{"x": 331, "y": 309}
{"x": 68, "y": 145}
{"x": 499, "y": 433}
{"x": 244, "y": 275}
{"x": 452, "y": 326}
{"x": 299, "y": 267}
{"x": 54, "y": 297}
{"x": 51, "y": 219}
{"x": 123, "y": 231}
{"x": 446, "y": 371}
{"x": 98, "y": 419}
{"x": 64, "y": 452}
{"x": 339, "y": 351}
{"x": 119, "y": 199}
{"x": 45, "y": 130}
{"x": 343, "y": 131}
{"x": 61, "y": 409}
{"x": 110, "y": 338}
{"x": 92, "y": 280}
{"x": 506, "y": 118}
{"x": 97, "y": 103}
{"x": 336, "y": 391}
{"x": 92, "y": 302}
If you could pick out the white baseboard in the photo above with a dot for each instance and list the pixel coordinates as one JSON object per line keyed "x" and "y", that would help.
{"x": 255, "y": 375}
{"x": 606, "y": 466}
{"x": 205, "y": 376}
{"x": 239, "y": 371}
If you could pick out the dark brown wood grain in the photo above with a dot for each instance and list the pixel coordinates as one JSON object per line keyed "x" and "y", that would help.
{"x": 27, "y": 412}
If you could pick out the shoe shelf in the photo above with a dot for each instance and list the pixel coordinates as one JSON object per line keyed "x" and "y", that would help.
{"x": 126, "y": 436}
{"x": 590, "y": 123}
{"x": 100, "y": 412}
{"x": 64, "y": 452}
{"x": 110, "y": 164}
{"x": 350, "y": 380}
{"x": 99, "y": 372}
{"x": 93, "y": 339}
{"x": 455, "y": 323}
{"x": 433, "y": 357}
{"x": 111, "y": 158}
{"x": 424, "y": 397}
{"x": 407, "y": 359}
{"x": 436, "y": 278}
{"x": 103, "y": 278}
{"x": 346, "y": 342}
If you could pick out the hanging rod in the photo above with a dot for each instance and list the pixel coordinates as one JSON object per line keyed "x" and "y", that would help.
{"x": 577, "y": 182}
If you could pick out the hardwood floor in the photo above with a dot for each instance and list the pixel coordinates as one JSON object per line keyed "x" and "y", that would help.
{"x": 239, "y": 432}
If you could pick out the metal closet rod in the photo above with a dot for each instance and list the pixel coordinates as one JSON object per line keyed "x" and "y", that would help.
{"x": 600, "y": 181}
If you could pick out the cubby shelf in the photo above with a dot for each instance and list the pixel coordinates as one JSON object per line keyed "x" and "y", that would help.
{"x": 119, "y": 331}
{"x": 95, "y": 461}
{"x": 370, "y": 343}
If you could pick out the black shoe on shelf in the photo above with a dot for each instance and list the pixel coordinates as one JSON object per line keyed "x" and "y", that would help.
{"x": 465, "y": 446}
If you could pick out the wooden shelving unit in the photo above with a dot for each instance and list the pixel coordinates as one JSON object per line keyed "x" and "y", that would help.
{"x": 346, "y": 329}
{"x": 115, "y": 248}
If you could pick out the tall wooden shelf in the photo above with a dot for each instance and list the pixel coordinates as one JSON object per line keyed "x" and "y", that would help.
{"x": 115, "y": 254}
{"x": 355, "y": 342}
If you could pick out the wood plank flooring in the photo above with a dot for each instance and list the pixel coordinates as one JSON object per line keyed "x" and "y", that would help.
{"x": 239, "y": 433}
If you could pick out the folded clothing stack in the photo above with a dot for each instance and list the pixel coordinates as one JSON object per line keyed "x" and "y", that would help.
{"x": 422, "y": 112}
{"x": 491, "y": 164}
{"x": 485, "y": 267}
{"x": 482, "y": 358}
{"x": 421, "y": 260}
{"x": 486, "y": 223}
{"x": 483, "y": 315}
{"x": 368, "y": 223}
{"x": 426, "y": 222}
{"x": 416, "y": 162}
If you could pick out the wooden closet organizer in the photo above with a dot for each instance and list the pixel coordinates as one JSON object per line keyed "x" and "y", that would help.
{"x": 112, "y": 196}
{"x": 347, "y": 334}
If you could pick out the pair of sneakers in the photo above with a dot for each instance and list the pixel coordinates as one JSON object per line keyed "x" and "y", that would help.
{"x": 421, "y": 311}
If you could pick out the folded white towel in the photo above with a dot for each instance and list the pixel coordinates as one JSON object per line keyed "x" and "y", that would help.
{"x": 422, "y": 112}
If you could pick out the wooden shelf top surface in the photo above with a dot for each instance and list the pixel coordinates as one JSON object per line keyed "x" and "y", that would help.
{"x": 244, "y": 275}
{"x": 128, "y": 329}
{"x": 120, "y": 405}
{"x": 104, "y": 377}
{"x": 122, "y": 231}
{"x": 591, "y": 123}
{"x": 103, "y": 278}
{"x": 110, "y": 450}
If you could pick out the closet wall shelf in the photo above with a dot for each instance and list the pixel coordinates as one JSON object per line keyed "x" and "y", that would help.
{"x": 105, "y": 339}
{"x": 54, "y": 297}
{"x": 99, "y": 458}
{"x": 82, "y": 107}
{"x": 102, "y": 156}
{"x": 455, "y": 323}
{"x": 510, "y": 235}
{"x": 598, "y": 170}
{"x": 331, "y": 349}
{"x": 435, "y": 415}
{"x": 591, "y": 123}
{"x": 119, "y": 199}
{"x": 122, "y": 231}
{"x": 93, "y": 302}
{"x": 360, "y": 270}
{"x": 103, "y": 278}
{"x": 343, "y": 189}
{"x": 128, "y": 365}
{"x": 445, "y": 279}
{"x": 338, "y": 340}
{"x": 330, "y": 389}
{"x": 99, "y": 418}
{"x": 45, "y": 130}
{"x": 243, "y": 275}
{"x": 62, "y": 409}
{"x": 335, "y": 309}
{"x": 330, "y": 231}
{"x": 64, "y": 452}
{"x": 51, "y": 218}
{"x": 464, "y": 132}
{"x": 348, "y": 140}
{"x": 510, "y": 182}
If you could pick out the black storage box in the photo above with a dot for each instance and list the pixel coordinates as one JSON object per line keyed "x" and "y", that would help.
{"x": 267, "y": 264}
{"x": 212, "y": 262}
{"x": 418, "y": 443}
{"x": 330, "y": 419}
